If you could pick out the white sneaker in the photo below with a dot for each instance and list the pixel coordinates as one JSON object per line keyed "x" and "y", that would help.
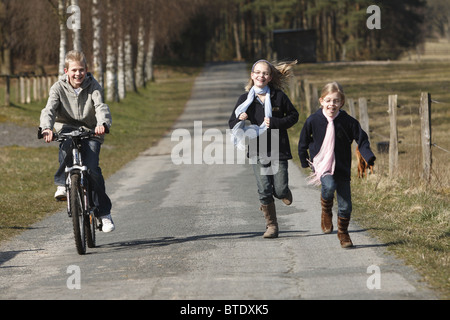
{"x": 108, "y": 224}
{"x": 61, "y": 193}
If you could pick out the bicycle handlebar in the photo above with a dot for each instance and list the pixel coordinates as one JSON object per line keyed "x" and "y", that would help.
{"x": 80, "y": 132}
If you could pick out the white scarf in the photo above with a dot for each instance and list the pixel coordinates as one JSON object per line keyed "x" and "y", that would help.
{"x": 240, "y": 131}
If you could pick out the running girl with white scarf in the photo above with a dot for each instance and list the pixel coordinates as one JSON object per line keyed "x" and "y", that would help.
{"x": 328, "y": 134}
{"x": 267, "y": 107}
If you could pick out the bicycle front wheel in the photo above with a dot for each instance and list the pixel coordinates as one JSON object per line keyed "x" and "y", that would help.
{"x": 90, "y": 226}
{"x": 76, "y": 206}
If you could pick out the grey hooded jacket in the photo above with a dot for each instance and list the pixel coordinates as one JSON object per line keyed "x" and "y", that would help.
{"x": 65, "y": 111}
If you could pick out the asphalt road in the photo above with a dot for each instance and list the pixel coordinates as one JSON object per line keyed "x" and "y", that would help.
{"x": 194, "y": 231}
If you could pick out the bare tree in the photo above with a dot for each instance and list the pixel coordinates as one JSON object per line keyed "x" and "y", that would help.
{"x": 140, "y": 61}
{"x": 111, "y": 74}
{"x": 76, "y": 20}
{"x": 60, "y": 11}
{"x": 5, "y": 48}
{"x": 97, "y": 43}
{"x": 151, "y": 43}
{"x": 121, "y": 64}
{"x": 129, "y": 73}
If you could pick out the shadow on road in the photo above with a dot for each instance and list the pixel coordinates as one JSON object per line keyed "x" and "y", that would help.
{"x": 165, "y": 241}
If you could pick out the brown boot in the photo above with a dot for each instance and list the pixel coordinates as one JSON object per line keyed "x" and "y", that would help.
{"x": 342, "y": 233}
{"x": 327, "y": 215}
{"x": 271, "y": 220}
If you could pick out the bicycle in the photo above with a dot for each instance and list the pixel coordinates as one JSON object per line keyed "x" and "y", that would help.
{"x": 81, "y": 202}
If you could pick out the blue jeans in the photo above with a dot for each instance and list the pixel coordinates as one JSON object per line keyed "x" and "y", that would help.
{"x": 90, "y": 150}
{"x": 343, "y": 194}
{"x": 271, "y": 185}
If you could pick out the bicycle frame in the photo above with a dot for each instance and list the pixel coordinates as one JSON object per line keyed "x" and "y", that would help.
{"x": 78, "y": 167}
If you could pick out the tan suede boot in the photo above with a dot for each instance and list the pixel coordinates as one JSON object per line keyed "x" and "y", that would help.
{"x": 327, "y": 215}
{"x": 270, "y": 215}
{"x": 342, "y": 233}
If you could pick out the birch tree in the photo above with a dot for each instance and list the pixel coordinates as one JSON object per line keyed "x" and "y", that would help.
{"x": 151, "y": 43}
{"x": 60, "y": 11}
{"x": 129, "y": 73}
{"x": 121, "y": 65}
{"x": 140, "y": 61}
{"x": 75, "y": 22}
{"x": 97, "y": 43}
{"x": 111, "y": 75}
{"x": 5, "y": 49}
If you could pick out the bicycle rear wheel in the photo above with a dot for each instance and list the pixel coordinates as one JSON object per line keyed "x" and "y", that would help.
{"x": 76, "y": 205}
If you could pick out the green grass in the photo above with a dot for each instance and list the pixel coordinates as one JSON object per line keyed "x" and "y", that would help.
{"x": 411, "y": 216}
{"x": 26, "y": 188}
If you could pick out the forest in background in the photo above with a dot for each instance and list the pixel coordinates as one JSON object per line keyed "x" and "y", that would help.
{"x": 122, "y": 39}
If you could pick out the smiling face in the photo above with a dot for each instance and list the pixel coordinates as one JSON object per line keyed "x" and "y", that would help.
{"x": 332, "y": 103}
{"x": 76, "y": 73}
{"x": 261, "y": 75}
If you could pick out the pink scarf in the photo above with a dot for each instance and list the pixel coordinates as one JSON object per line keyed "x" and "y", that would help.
{"x": 324, "y": 162}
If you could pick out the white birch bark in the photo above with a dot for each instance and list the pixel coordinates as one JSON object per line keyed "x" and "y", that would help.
{"x": 151, "y": 44}
{"x": 97, "y": 43}
{"x": 76, "y": 31}
{"x": 111, "y": 75}
{"x": 140, "y": 63}
{"x": 121, "y": 66}
{"x": 129, "y": 74}
{"x": 63, "y": 35}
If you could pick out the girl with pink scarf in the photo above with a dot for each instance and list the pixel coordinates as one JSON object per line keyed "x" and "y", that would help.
{"x": 328, "y": 135}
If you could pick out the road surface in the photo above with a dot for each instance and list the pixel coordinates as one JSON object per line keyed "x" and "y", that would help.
{"x": 194, "y": 231}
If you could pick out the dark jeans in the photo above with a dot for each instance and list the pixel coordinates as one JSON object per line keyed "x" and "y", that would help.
{"x": 90, "y": 150}
{"x": 271, "y": 185}
{"x": 343, "y": 194}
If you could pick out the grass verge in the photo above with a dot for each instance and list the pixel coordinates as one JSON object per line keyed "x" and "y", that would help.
{"x": 140, "y": 120}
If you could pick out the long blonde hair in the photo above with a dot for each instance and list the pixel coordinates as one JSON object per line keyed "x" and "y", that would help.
{"x": 280, "y": 72}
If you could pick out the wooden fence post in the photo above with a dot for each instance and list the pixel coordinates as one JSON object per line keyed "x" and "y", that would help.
{"x": 22, "y": 90}
{"x": 363, "y": 115}
{"x": 393, "y": 141}
{"x": 425, "y": 125}
{"x": 44, "y": 87}
{"x": 17, "y": 89}
{"x": 314, "y": 98}
{"x": 49, "y": 85}
{"x": 351, "y": 107}
{"x": 28, "y": 89}
{"x": 307, "y": 90}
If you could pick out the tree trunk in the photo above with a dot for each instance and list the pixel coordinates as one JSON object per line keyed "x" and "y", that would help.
{"x": 140, "y": 63}
{"x": 129, "y": 74}
{"x": 97, "y": 43}
{"x": 77, "y": 31}
{"x": 63, "y": 35}
{"x": 5, "y": 50}
{"x": 111, "y": 75}
{"x": 121, "y": 65}
{"x": 237, "y": 42}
